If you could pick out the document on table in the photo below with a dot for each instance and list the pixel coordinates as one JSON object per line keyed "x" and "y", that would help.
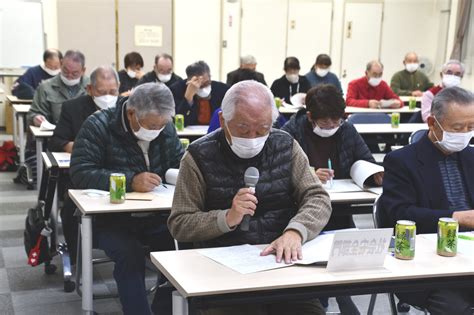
{"x": 342, "y": 185}
{"x": 246, "y": 258}
{"x": 62, "y": 158}
{"x": 47, "y": 126}
{"x": 386, "y": 103}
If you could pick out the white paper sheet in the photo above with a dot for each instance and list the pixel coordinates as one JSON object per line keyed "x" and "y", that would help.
{"x": 47, "y": 126}
{"x": 171, "y": 176}
{"x": 342, "y": 185}
{"x": 298, "y": 100}
{"x": 63, "y": 158}
{"x": 386, "y": 103}
{"x": 246, "y": 258}
{"x": 162, "y": 191}
{"x": 361, "y": 170}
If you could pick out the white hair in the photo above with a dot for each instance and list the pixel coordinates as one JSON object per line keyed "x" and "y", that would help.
{"x": 241, "y": 92}
{"x": 248, "y": 60}
{"x": 453, "y": 62}
{"x": 152, "y": 98}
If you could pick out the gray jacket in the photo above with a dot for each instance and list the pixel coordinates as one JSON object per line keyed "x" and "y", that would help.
{"x": 50, "y": 96}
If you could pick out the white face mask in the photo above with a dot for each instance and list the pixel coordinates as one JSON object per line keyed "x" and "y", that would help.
{"x": 411, "y": 67}
{"x": 322, "y": 72}
{"x": 375, "y": 81}
{"x": 164, "y": 77}
{"x": 204, "y": 92}
{"x": 292, "y": 78}
{"x": 147, "y": 134}
{"x": 453, "y": 141}
{"x": 325, "y": 133}
{"x": 246, "y": 148}
{"x": 105, "y": 101}
{"x": 51, "y": 72}
{"x": 450, "y": 80}
{"x": 132, "y": 74}
{"x": 69, "y": 82}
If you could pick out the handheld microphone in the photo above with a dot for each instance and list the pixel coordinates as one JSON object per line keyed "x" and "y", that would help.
{"x": 251, "y": 177}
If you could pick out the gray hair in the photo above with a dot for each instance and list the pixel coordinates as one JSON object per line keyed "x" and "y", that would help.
{"x": 103, "y": 72}
{"x": 410, "y": 53}
{"x": 241, "y": 92}
{"x": 448, "y": 96}
{"x": 153, "y": 98}
{"x": 372, "y": 63}
{"x": 76, "y": 56}
{"x": 444, "y": 68}
{"x": 248, "y": 60}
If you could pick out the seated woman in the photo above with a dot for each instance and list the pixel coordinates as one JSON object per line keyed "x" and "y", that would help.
{"x": 291, "y": 82}
{"x": 132, "y": 72}
{"x": 323, "y": 134}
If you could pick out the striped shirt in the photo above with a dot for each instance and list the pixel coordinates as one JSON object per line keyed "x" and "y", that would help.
{"x": 454, "y": 183}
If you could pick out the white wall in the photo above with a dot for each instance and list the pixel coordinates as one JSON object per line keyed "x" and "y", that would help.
{"x": 50, "y": 20}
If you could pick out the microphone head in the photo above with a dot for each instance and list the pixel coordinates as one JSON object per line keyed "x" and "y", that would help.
{"x": 251, "y": 176}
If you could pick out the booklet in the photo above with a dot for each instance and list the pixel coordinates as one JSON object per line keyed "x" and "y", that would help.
{"x": 386, "y": 103}
{"x": 47, "y": 126}
{"x": 361, "y": 172}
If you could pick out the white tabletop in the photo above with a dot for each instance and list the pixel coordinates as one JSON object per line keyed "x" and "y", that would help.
{"x": 95, "y": 205}
{"x": 352, "y": 197}
{"x": 387, "y": 128}
{"x": 15, "y": 100}
{"x": 406, "y": 99}
{"x": 193, "y": 131}
{"x": 40, "y": 133}
{"x": 213, "y": 279}
{"x": 62, "y": 158}
{"x": 21, "y": 108}
{"x": 404, "y": 109}
{"x": 289, "y": 110}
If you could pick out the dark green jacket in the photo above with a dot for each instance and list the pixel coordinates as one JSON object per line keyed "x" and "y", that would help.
{"x": 105, "y": 146}
{"x": 404, "y": 82}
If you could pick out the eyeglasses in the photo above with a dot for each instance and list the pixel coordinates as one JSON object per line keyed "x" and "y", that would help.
{"x": 328, "y": 123}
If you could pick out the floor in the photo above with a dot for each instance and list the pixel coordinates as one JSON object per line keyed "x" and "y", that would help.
{"x": 28, "y": 290}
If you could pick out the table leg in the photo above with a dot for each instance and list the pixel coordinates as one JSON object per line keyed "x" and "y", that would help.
{"x": 86, "y": 247}
{"x": 21, "y": 133}
{"x": 39, "y": 161}
{"x": 15, "y": 126}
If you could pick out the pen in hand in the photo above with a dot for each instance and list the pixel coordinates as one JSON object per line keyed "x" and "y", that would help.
{"x": 330, "y": 168}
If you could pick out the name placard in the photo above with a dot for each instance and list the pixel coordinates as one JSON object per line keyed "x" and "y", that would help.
{"x": 361, "y": 249}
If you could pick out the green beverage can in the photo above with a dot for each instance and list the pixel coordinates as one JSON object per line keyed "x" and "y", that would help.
{"x": 405, "y": 234}
{"x": 179, "y": 122}
{"x": 117, "y": 188}
{"x": 447, "y": 237}
{"x": 395, "y": 120}
{"x": 184, "y": 142}
{"x": 412, "y": 103}
{"x": 278, "y": 102}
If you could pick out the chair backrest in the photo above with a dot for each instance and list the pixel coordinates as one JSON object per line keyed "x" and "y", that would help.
{"x": 375, "y": 217}
{"x": 369, "y": 118}
{"x": 416, "y": 135}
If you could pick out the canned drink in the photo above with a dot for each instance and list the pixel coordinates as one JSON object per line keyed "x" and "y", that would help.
{"x": 405, "y": 234}
{"x": 184, "y": 142}
{"x": 117, "y": 188}
{"x": 395, "y": 120}
{"x": 278, "y": 102}
{"x": 412, "y": 103}
{"x": 179, "y": 122}
{"x": 447, "y": 237}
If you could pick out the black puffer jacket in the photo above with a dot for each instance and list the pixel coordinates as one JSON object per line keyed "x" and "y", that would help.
{"x": 223, "y": 173}
{"x": 350, "y": 145}
{"x": 105, "y": 146}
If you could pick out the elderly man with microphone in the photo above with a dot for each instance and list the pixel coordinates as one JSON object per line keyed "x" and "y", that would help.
{"x": 248, "y": 171}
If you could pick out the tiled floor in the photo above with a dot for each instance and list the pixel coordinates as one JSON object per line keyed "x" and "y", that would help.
{"x": 28, "y": 290}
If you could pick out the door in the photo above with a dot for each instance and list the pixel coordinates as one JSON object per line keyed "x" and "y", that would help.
{"x": 231, "y": 12}
{"x": 309, "y": 30}
{"x": 263, "y": 35}
{"x": 361, "y": 41}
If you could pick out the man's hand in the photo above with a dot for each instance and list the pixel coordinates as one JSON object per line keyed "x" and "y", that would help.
{"x": 193, "y": 86}
{"x": 38, "y": 119}
{"x": 324, "y": 174}
{"x": 244, "y": 202}
{"x": 374, "y": 104}
{"x": 396, "y": 104}
{"x": 287, "y": 246}
{"x": 68, "y": 147}
{"x": 465, "y": 218}
{"x": 417, "y": 93}
{"x": 378, "y": 178}
{"x": 145, "y": 182}
{"x": 126, "y": 93}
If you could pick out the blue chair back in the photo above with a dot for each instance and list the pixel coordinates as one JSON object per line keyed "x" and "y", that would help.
{"x": 369, "y": 118}
{"x": 417, "y": 135}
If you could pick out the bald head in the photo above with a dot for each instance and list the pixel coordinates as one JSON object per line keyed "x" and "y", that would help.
{"x": 410, "y": 57}
{"x": 104, "y": 80}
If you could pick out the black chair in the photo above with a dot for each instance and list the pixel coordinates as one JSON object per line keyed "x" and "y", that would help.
{"x": 417, "y": 135}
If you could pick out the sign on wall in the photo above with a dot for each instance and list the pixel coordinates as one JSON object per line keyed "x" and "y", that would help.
{"x": 148, "y": 35}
